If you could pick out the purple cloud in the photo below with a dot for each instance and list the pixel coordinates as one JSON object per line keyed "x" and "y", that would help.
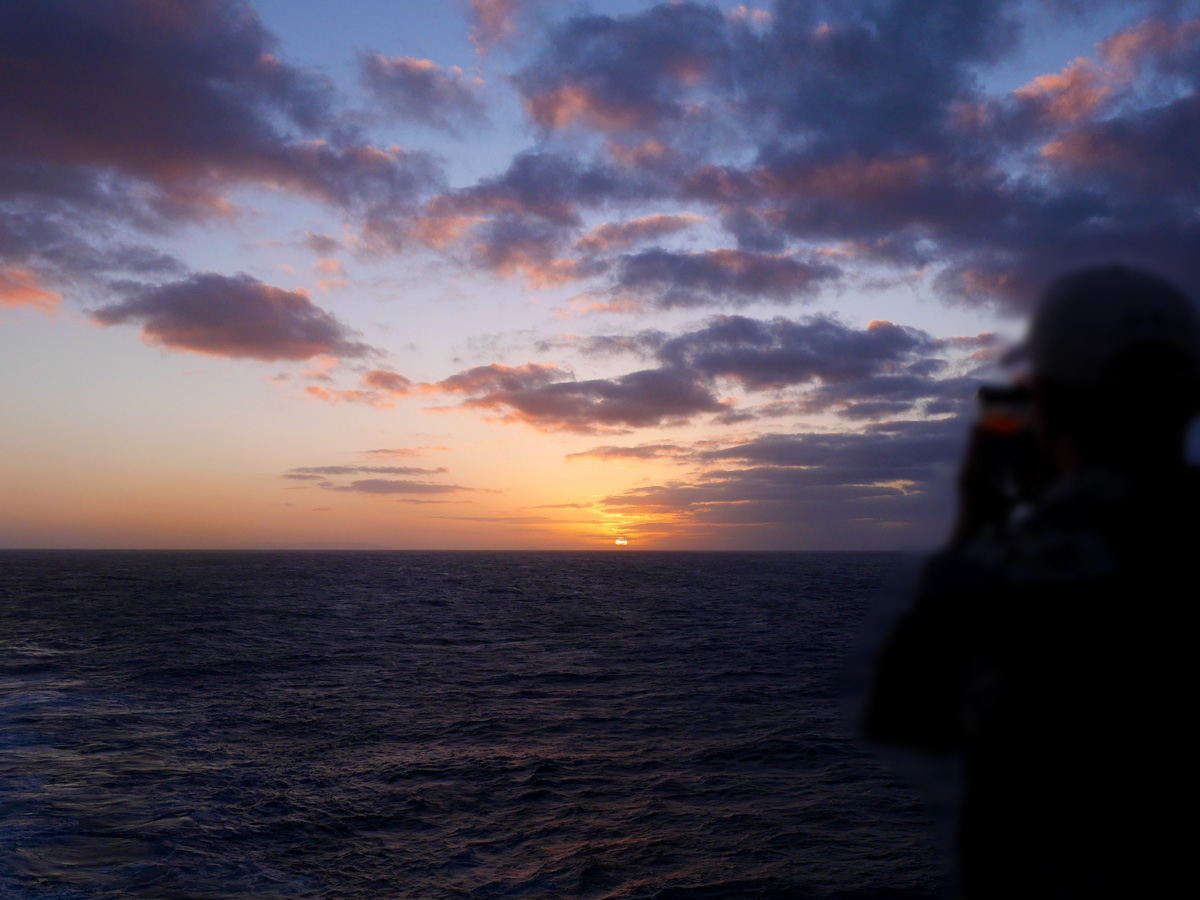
{"x": 811, "y": 365}
{"x": 145, "y": 114}
{"x": 708, "y": 277}
{"x": 419, "y": 90}
{"x": 236, "y": 316}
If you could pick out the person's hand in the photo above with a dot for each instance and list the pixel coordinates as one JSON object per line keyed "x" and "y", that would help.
{"x": 1000, "y": 470}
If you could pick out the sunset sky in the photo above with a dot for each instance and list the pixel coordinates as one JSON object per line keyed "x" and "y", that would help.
{"x": 530, "y": 275}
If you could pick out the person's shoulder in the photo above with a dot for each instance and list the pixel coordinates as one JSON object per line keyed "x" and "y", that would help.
{"x": 1097, "y": 523}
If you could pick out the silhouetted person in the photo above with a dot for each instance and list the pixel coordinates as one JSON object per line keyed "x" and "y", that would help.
{"x": 1048, "y": 641}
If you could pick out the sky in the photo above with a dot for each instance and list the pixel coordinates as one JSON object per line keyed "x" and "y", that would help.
{"x": 510, "y": 274}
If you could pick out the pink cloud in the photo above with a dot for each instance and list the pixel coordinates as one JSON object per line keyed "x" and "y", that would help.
{"x": 495, "y": 21}
{"x": 851, "y": 178}
{"x": 379, "y": 388}
{"x": 561, "y": 107}
{"x": 538, "y": 273}
{"x": 640, "y": 156}
{"x": 1067, "y": 96}
{"x": 1126, "y": 50}
{"x": 641, "y": 452}
{"x": 496, "y": 377}
{"x": 387, "y": 381}
{"x": 402, "y": 452}
{"x": 333, "y": 397}
{"x": 1088, "y": 148}
{"x": 439, "y": 232}
{"x": 616, "y": 235}
{"x": 420, "y": 90}
{"x": 19, "y": 287}
{"x": 320, "y": 368}
{"x": 742, "y": 13}
{"x": 329, "y": 266}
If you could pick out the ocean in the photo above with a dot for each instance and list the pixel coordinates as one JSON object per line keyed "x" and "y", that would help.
{"x": 445, "y": 725}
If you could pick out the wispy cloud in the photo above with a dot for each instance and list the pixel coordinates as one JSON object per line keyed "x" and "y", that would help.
{"x": 419, "y": 90}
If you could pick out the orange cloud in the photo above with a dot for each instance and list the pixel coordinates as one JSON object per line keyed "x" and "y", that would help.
{"x": 440, "y": 231}
{"x": 1089, "y": 149}
{"x": 379, "y": 387}
{"x": 388, "y": 381}
{"x": 743, "y": 13}
{"x": 320, "y": 368}
{"x": 402, "y": 452}
{"x": 988, "y": 284}
{"x": 1126, "y": 50}
{"x": 615, "y": 235}
{"x": 850, "y": 178}
{"x": 492, "y": 22}
{"x": 18, "y": 287}
{"x": 329, "y": 266}
{"x": 559, "y": 108}
{"x": 538, "y": 273}
{"x": 584, "y": 304}
{"x": 333, "y": 397}
{"x": 644, "y": 154}
{"x": 641, "y": 452}
{"x": 1070, "y": 95}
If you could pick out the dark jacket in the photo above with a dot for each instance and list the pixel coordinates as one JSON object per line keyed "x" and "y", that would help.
{"x": 1053, "y": 653}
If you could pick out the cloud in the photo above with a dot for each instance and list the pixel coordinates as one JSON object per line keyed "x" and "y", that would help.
{"x": 1154, "y": 40}
{"x": 637, "y": 400}
{"x": 495, "y": 22}
{"x": 780, "y": 352}
{"x": 386, "y": 486}
{"x": 329, "y": 266}
{"x": 332, "y": 478}
{"x": 326, "y": 471}
{"x": 419, "y": 90}
{"x": 1074, "y": 93}
{"x": 334, "y": 396}
{"x": 511, "y": 244}
{"x": 380, "y": 388}
{"x": 401, "y": 452}
{"x": 812, "y": 365}
{"x": 520, "y": 520}
{"x": 139, "y": 116}
{"x": 500, "y": 378}
{"x": 640, "y": 452}
{"x": 619, "y": 235}
{"x": 887, "y": 486}
{"x": 19, "y": 287}
{"x": 235, "y": 316}
{"x": 387, "y": 381}
{"x": 196, "y": 81}
{"x": 628, "y": 73}
{"x": 720, "y": 276}
{"x": 529, "y": 212}
{"x": 321, "y": 244}
{"x": 543, "y": 184}
{"x": 865, "y": 132}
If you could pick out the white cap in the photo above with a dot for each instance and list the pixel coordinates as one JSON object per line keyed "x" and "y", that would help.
{"x": 1088, "y": 320}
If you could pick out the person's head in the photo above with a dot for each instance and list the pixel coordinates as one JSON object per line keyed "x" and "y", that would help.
{"x": 1115, "y": 359}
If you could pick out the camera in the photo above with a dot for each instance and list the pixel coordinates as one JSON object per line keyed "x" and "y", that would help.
{"x": 1006, "y": 466}
{"x": 1005, "y": 410}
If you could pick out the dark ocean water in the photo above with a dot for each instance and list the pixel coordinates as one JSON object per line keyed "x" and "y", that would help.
{"x": 443, "y": 725}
